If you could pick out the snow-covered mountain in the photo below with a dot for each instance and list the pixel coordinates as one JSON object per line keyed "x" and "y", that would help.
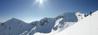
{"x": 86, "y": 26}
{"x": 65, "y": 20}
{"x": 68, "y": 17}
{"x": 46, "y": 25}
{"x": 14, "y": 27}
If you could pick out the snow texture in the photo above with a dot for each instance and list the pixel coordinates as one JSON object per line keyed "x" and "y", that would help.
{"x": 66, "y": 24}
{"x": 86, "y": 26}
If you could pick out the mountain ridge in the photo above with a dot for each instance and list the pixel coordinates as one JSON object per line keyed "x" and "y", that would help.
{"x": 45, "y": 25}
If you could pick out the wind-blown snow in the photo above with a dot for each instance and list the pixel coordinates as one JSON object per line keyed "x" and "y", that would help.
{"x": 86, "y": 26}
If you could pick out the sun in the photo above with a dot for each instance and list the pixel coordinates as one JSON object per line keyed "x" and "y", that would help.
{"x": 40, "y": 2}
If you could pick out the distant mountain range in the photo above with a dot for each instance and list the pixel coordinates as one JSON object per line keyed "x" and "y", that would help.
{"x": 46, "y": 25}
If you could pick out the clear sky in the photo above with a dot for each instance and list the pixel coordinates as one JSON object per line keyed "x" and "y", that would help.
{"x": 31, "y": 10}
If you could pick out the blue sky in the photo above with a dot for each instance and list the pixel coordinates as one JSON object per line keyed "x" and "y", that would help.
{"x": 30, "y": 10}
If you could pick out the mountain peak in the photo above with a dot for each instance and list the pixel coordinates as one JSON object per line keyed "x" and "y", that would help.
{"x": 14, "y": 20}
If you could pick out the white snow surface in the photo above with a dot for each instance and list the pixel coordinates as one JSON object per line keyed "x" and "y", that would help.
{"x": 57, "y": 22}
{"x": 86, "y": 26}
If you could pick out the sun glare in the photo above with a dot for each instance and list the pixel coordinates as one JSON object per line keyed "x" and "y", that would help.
{"x": 40, "y": 2}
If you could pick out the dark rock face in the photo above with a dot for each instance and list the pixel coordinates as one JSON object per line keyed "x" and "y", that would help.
{"x": 45, "y": 25}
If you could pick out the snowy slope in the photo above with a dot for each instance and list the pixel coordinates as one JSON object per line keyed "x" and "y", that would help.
{"x": 86, "y": 26}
